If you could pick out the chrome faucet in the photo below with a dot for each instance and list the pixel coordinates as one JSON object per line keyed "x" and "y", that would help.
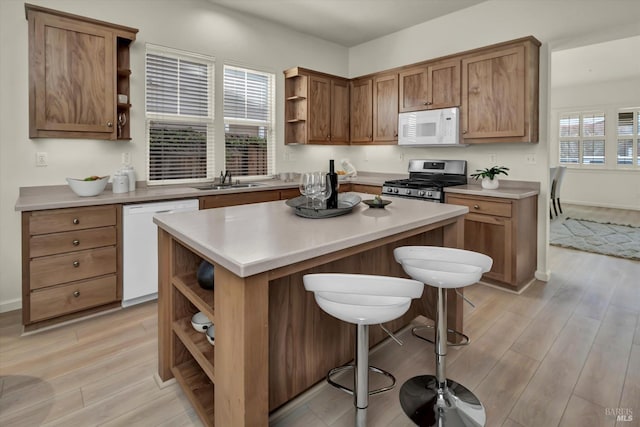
{"x": 226, "y": 176}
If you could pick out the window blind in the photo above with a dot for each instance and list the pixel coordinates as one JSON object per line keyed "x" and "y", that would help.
{"x": 582, "y": 138}
{"x": 249, "y": 121}
{"x": 179, "y": 111}
{"x": 628, "y": 130}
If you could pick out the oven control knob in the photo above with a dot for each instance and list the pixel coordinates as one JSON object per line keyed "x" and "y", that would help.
{"x": 429, "y": 194}
{"x": 422, "y": 193}
{"x": 389, "y": 190}
{"x": 408, "y": 192}
{"x": 395, "y": 190}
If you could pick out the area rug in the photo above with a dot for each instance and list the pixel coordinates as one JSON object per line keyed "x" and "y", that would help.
{"x": 609, "y": 239}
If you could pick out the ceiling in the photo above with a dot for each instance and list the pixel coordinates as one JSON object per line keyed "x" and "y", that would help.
{"x": 347, "y": 22}
{"x": 612, "y": 60}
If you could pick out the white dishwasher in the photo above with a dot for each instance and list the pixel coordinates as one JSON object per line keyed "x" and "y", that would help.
{"x": 140, "y": 248}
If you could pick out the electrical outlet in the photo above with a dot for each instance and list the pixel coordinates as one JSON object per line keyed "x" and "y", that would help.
{"x": 126, "y": 158}
{"x": 493, "y": 159}
{"x": 531, "y": 159}
{"x": 292, "y": 155}
{"x": 401, "y": 156}
{"x": 42, "y": 159}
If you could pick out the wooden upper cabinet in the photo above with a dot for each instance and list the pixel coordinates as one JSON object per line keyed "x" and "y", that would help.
{"x": 319, "y": 109}
{"x": 500, "y": 93}
{"x": 385, "y": 108}
{"x": 430, "y": 86}
{"x": 340, "y": 111}
{"x": 73, "y": 75}
{"x": 361, "y": 111}
{"x": 496, "y": 88}
{"x": 316, "y": 108}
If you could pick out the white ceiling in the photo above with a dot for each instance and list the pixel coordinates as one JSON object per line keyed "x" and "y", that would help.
{"x": 347, "y": 22}
{"x": 612, "y": 60}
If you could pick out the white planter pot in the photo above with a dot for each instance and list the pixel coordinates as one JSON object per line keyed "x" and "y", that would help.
{"x": 490, "y": 184}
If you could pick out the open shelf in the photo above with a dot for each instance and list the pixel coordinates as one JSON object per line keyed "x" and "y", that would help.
{"x": 296, "y": 98}
{"x": 196, "y": 343}
{"x": 198, "y": 388}
{"x": 296, "y": 120}
{"x": 187, "y": 285}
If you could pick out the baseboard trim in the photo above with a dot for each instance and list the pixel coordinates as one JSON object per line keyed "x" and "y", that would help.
{"x": 11, "y": 305}
{"x": 544, "y": 276}
{"x": 599, "y": 205}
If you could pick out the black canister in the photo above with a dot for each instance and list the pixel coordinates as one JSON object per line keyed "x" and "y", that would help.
{"x": 205, "y": 275}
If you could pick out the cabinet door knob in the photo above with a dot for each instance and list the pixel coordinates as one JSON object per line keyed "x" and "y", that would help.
{"x": 75, "y": 242}
{"x": 109, "y": 124}
{"x": 476, "y": 207}
{"x": 76, "y": 221}
{"x": 464, "y": 131}
{"x": 428, "y": 103}
{"x": 76, "y": 264}
{"x": 76, "y": 294}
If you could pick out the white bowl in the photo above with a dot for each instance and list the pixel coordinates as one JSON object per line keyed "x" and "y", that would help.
{"x": 211, "y": 334}
{"x": 88, "y": 188}
{"x": 200, "y": 322}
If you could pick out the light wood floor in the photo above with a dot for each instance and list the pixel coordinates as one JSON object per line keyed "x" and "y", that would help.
{"x": 564, "y": 353}
{"x": 616, "y": 216}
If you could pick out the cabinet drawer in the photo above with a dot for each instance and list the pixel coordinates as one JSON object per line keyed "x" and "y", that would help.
{"x": 59, "y": 300}
{"x": 51, "y": 270}
{"x": 54, "y": 221}
{"x": 71, "y": 241}
{"x": 482, "y": 206}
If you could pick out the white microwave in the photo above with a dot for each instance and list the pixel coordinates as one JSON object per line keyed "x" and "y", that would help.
{"x": 429, "y": 128}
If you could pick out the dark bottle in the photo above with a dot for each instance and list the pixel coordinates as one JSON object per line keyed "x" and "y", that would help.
{"x": 332, "y": 201}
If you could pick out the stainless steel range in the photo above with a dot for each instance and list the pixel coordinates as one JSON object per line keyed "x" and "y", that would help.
{"x": 427, "y": 178}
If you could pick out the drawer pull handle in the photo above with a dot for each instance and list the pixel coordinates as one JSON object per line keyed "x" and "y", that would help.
{"x": 75, "y": 242}
{"x": 476, "y": 207}
{"x": 76, "y": 221}
{"x": 76, "y": 264}
{"x": 76, "y": 294}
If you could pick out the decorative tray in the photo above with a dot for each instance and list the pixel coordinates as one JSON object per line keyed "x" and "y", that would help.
{"x": 379, "y": 203}
{"x": 302, "y": 206}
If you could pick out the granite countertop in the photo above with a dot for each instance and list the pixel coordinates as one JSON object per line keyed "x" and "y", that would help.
{"x": 61, "y": 196}
{"x": 507, "y": 190}
{"x": 248, "y": 239}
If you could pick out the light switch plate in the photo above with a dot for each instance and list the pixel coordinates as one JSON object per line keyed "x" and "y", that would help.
{"x": 42, "y": 159}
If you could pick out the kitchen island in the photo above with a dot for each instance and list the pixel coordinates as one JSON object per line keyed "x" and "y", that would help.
{"x": 272, "y": 342}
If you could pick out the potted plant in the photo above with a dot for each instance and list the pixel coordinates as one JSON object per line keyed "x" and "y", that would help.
{"x": 490, "y": 176}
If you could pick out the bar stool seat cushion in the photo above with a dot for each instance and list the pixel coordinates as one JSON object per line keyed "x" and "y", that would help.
{"x": 442, "y": 274}
{"x": 363, "y": 299}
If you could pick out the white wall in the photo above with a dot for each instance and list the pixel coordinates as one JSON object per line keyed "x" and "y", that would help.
{"x": 193, "y": 25}
{"x": 597, "y": 186}
{"x": 199, "y": 26}
{"x": 494, "y": 21}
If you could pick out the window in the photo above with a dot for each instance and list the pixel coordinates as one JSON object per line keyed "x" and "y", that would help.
{"x": 179, "y": 116}
{"x": 582, "y": 138}
{"x": 628, "y": 137}
{"x": 249, "y": 121}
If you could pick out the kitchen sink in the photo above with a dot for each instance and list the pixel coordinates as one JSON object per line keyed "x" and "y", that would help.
{"x": 228, "y": 186}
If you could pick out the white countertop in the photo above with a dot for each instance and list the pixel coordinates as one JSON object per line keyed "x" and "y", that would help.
{"x": 505, "y": 191}
{"x": 251, "y": 239}
{"x": 61, "y": 196}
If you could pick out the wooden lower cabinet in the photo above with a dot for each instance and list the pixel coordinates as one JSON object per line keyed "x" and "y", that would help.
{"x": 505, "y": 230}
{"x": 71, "y": 263}
{"x": 224, "y": 200}
{"x": 363, "y": 188}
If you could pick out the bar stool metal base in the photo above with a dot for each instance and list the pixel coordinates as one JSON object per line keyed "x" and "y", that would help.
{"x": 428, "y": 405}
{"x": 464, "y": 339}
{"x": 371, "y": 368}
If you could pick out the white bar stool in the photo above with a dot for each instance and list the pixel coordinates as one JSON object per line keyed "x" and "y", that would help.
{"x": 435, "y": 400}
{"x": 362, "y": 300}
